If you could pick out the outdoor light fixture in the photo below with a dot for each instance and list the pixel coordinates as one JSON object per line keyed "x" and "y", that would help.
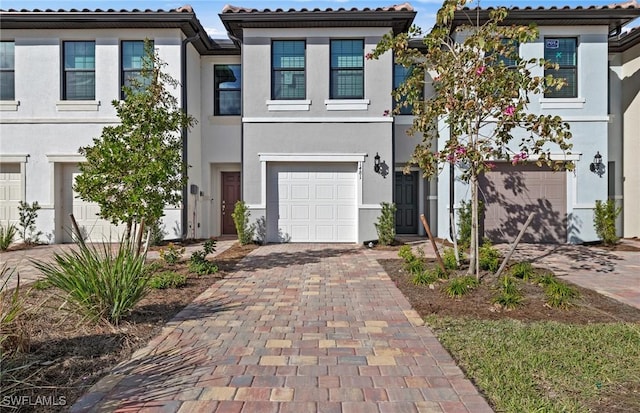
{"x": 376, "y": 163}
{"x": 596, "y": 166}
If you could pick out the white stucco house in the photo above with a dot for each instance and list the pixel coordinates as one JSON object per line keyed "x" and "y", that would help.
{"x": 291, "y": 119}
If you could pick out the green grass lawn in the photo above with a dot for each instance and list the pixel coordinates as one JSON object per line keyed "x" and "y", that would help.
{"x": 548, "y": 366}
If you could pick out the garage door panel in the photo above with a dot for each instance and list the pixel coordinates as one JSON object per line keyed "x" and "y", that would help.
{"x": 511, "y": 193}
{"x": 325, "y": 191}
{"x": 320, "y": 196}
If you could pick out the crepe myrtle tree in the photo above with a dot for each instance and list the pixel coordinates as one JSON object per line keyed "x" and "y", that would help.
{"x": 481, "y": 88}
{"x": 133, "y": 170}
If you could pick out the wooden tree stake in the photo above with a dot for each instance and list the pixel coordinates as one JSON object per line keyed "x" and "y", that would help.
{"x": 433, "y": 242}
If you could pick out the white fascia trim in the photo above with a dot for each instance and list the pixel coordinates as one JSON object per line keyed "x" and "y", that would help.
{"x": 605, "y": 118}
{"x": 347, "y": 104}
{"x": 288, "y": 105}
{"x": 562, "y": 103}
{"x": 370, "y": 206}
{"x": 554, "y": 156}
{"x": 72, "y": 158}
{"x": 78, "y": 105}
{"x": 9, "y": 105}
{"x": 360, "y": 119}
{"x": 312, "y": 157}
{"x": 13, "y": 158}
{"x": 35, "y": 121}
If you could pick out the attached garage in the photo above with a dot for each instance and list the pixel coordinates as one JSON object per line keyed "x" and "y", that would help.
{"x": 10, "y": 192}
{"x": 510, "y": 193}
{"x": 311, "y": 202}
{"x": 86, "y": 213}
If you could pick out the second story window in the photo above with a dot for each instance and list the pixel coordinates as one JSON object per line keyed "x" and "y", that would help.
{"x": 347, "y": 69}
{"x": 133, "y": 55}
{"x": 562, "y": 51}
{"x": 79, "y": 79}
{"x": 288, "y": 65}
{"x": 227, "y": 90}
{"x": 400, "y": 74}
{"x": 7, "y": 71}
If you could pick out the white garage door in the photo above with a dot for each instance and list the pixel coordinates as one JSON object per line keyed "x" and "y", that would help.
{"x": 311, "y": 202}
{"x": 85, "y": 213}
{"x": 10, "y": 193}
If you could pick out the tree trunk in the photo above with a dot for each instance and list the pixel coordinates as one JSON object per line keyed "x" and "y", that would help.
{"x": 474, "y": 260}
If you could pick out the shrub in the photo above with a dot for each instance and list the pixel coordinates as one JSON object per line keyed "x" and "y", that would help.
{"x": 425, "y": 277}
{"x": 509, "y": 295}
{"x": 412, "y": 263}
{"x": 7, "y": 234}
{"x": 167, "y": 279}
{"x": 157, "y": 232}
{"x": 459, "y": 286}
{"x": 209, "y": 246}
{"x": 489, "y": 257}
{"x": 406, "y": 253}
{"x": 98, "y": 281}
{"x": 171, "y": 254}
{"x": 449, "y": 259}
{"x": 523, "y": 270}
{"x": 28, "y": 213}
{"x": 12, "y": 336}
{"x": 559, "y": 294}
{"x": 464, "y": 223}
{"x": 198, "y": 263}
{"x": 386, "y": 225}
{"x": 604, "y": 221}
{"x": 240, "y": 217}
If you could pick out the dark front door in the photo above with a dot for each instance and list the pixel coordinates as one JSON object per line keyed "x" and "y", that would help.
{"x": 407, "y": 203}
{"x": 230, "y": 195}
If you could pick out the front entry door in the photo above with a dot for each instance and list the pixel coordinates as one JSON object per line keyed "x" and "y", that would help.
{"x": 230, "y": 195}
{"x": 407, "y": 203}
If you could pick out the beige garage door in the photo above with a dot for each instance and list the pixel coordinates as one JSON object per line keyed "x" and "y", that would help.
{"x": 10, "y": 192}
{"x": 511, "y": 193}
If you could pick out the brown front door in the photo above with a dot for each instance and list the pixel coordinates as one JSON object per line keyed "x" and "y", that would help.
{"x": 230, "y": 195}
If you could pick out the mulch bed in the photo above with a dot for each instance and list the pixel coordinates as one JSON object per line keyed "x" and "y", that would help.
{"x": 66, "y": 354}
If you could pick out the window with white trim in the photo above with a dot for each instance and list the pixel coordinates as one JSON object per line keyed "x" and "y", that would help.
{"x": 132, "y": 58}
{"x": 79, "y": 70}
{"x": 347, "y": 69}
{"x": 288, "y": 70}
{"x": 562, "y": 51}
{"x": 7, "y": 71}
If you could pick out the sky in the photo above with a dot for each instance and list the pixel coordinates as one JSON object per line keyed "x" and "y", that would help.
{"x": 207, "y": 10}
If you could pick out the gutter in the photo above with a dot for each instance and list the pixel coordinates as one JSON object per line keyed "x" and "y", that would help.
{"x": 184, "y": 132}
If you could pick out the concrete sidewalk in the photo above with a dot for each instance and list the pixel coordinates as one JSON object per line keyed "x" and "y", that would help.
{"x": 298, "y": 328}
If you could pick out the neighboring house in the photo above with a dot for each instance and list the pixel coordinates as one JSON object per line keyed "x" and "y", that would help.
{"x": 292, "y": 119}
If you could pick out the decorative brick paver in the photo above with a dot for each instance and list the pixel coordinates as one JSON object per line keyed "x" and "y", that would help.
{"x": 298, "y": 328}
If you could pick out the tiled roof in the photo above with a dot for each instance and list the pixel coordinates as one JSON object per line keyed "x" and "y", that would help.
{"x": 614, "y": 15}
{"x": 397, "y": 18}
{"x": 235, "y": 9}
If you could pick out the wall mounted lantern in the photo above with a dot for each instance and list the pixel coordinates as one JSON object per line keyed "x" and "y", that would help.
{"x": 376, "y": 163}
{"x": 596, "y": 166}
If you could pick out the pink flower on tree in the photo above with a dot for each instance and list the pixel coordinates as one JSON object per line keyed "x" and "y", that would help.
{"x": 385, "y": 113}
{"x": 369, "y": 56}
{"x": 510, "y": 110}
{"x": 480, "y": 70}
{"x": 489, "y": 165}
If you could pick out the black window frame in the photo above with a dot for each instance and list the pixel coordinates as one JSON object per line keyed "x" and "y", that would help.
{"x": 404, "y": 110}
{"x": 66, "y": 71}
{"x": 295, "y": 71}
{"x": 124, "y": 72}
{"x": 217, "y": 90}
{"x": 335, "y": 70}
{"x": 11, "y": 69}
{"x": 552, "y": 93}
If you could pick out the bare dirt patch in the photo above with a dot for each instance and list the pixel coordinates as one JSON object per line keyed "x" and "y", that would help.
{"x": 65, "y": 354}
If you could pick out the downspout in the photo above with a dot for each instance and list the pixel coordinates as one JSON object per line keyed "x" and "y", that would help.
{"x": 184, "y": 133}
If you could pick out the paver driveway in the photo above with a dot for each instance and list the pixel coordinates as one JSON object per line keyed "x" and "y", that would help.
{"x": 299, "y": 328}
